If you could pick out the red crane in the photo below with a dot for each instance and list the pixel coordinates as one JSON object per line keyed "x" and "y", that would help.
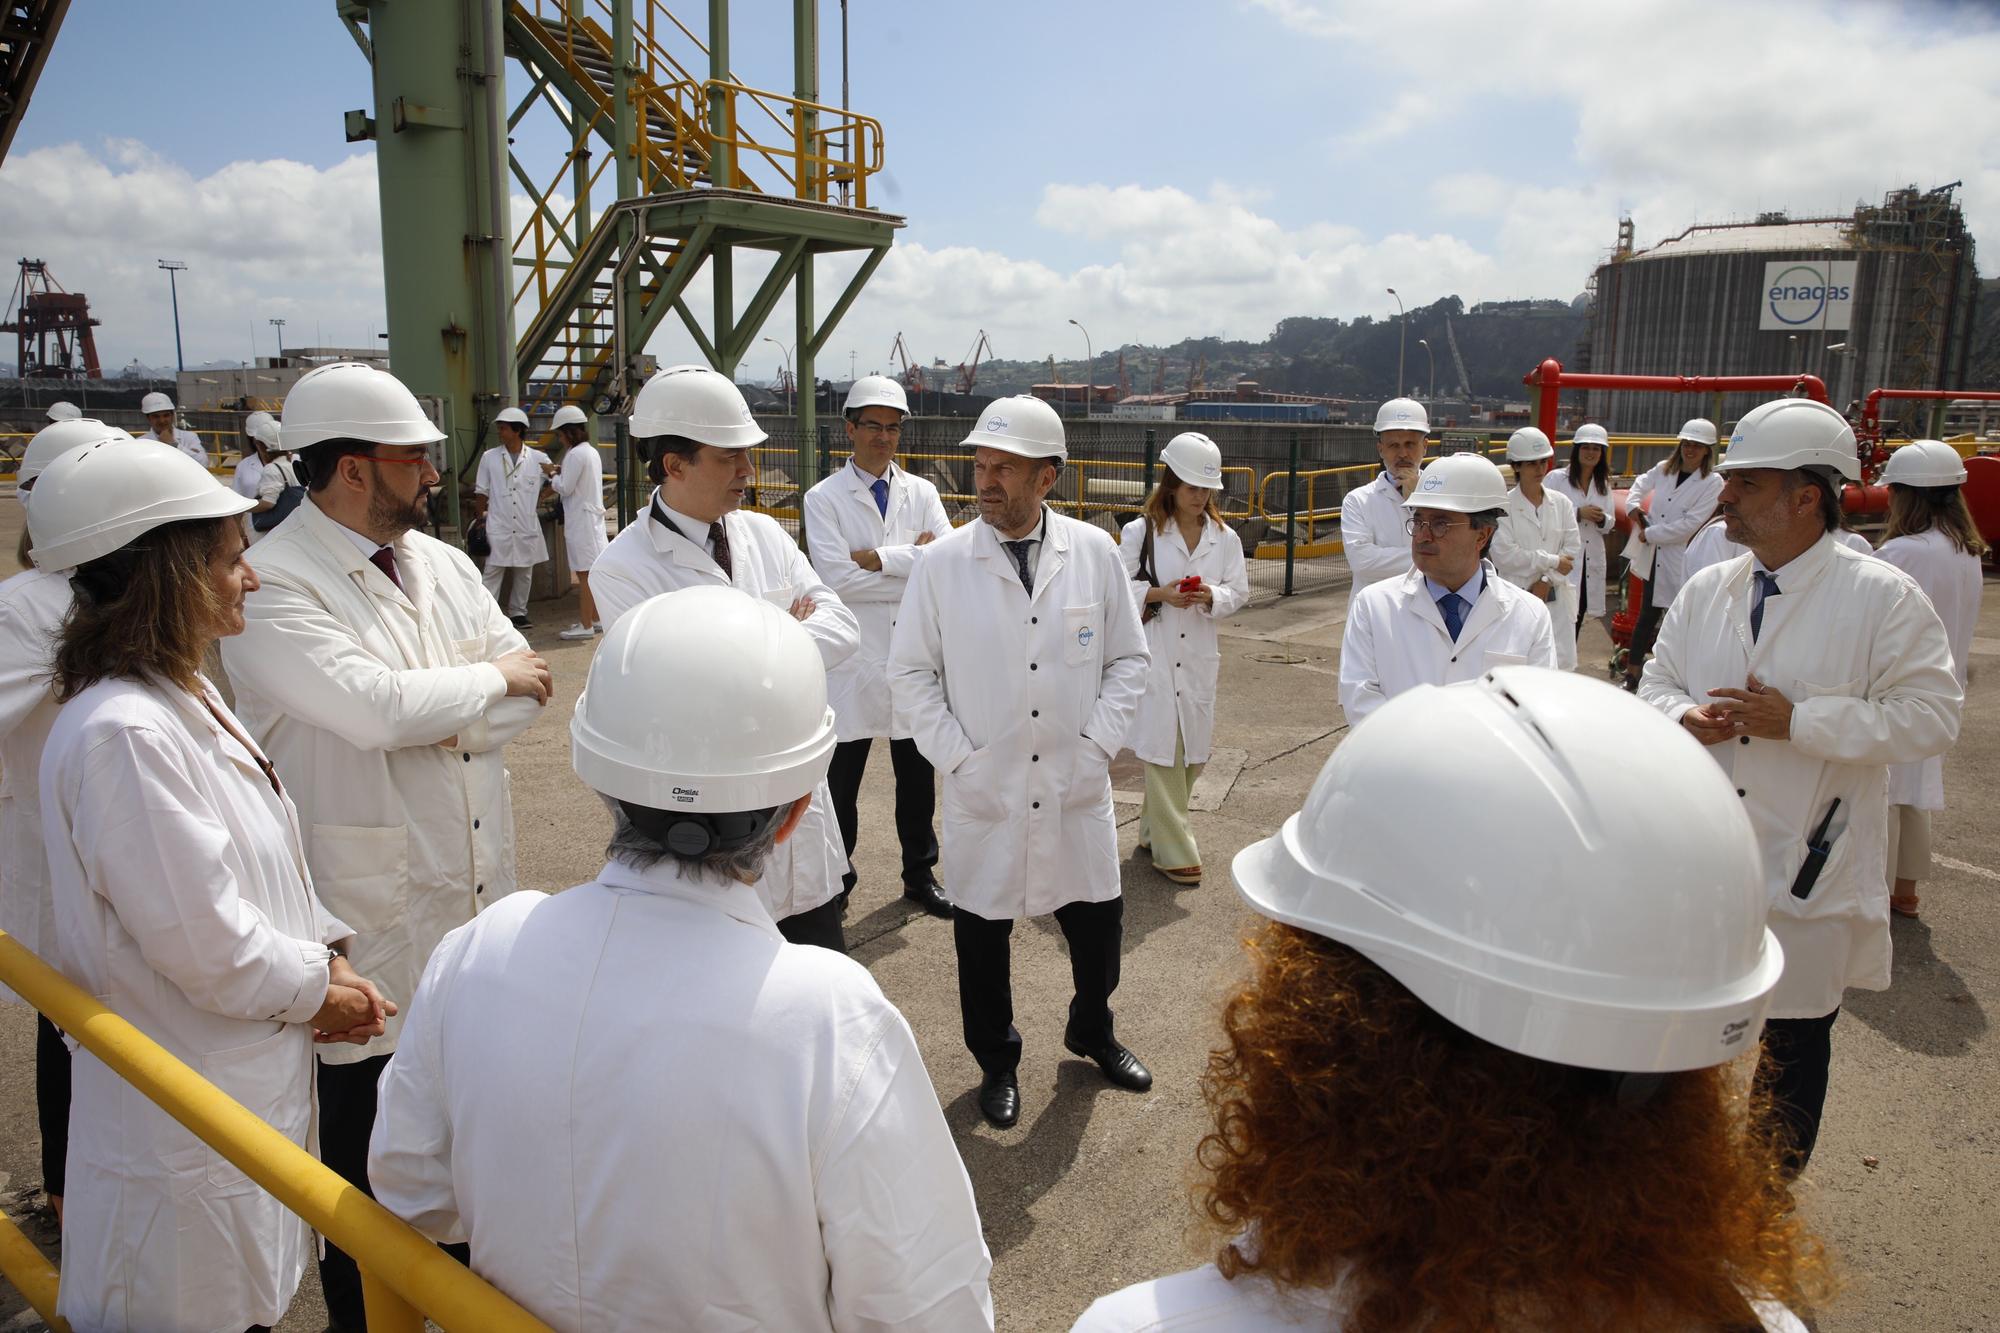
{"x": 968, "y": 369}
{"x": 53, "y": 327}
{"x": 913, "y": 376}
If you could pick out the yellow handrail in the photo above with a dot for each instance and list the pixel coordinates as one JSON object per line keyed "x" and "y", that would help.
{"x": 405, "y": 1277}
{"x": 32, "y": 1275}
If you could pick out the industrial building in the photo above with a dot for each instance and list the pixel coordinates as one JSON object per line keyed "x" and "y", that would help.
{"x": 1882, "y": 297}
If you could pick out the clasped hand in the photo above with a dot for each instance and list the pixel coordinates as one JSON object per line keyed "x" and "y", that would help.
{"x": 353, "y": 1011}
{"x": 1756, "y": 710}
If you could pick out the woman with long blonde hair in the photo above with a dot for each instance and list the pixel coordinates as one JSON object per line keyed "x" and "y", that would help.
{"x": 1187, "y": 571}
{"x": 1931, "y": 538}
{"x": 1438, "y": 1108}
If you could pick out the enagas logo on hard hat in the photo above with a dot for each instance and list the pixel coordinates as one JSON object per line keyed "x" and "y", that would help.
{"x": 1210, "y": 470}
{"x": 1433, "y": 483}
{"x": 995, "y": 424}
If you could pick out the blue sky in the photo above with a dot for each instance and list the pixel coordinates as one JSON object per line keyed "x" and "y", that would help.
{"x": 1159, "y": 170}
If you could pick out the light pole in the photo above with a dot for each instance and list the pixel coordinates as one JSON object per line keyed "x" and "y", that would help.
{"x": 173, "y": 266}
{"x": 790, "y": 378}
{"x": 1089, "y": 369}
{"x": 1833, "y": 367}
{"x": 1425, "y": 343}
{"x": 1402, "y": 341}
{"x": 1792, "y": 353}
{"x": 279, "y": 325}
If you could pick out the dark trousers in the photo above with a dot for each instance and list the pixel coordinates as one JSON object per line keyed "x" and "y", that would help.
{"x": 1582, "y": 598}
{"x": 916, "y": 804}
{"x": 1798, "y": 1053}
{"x": 52, "y": 1103}
{"x": 346, "y": 1119}
{"x": 820, "y": 925}
{"x": 1644, "y": 632}
{"x": 1094, "y": 932}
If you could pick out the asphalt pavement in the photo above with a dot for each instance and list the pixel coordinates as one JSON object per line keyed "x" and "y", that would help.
{"x": 1091, "y": 1190}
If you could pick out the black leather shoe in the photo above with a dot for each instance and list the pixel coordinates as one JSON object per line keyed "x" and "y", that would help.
{"x": 1121, "y": 1068}
{"x": 1000, "y": 1100}
{"x": 928, "y": 896}
{"x": 521, "y": 622}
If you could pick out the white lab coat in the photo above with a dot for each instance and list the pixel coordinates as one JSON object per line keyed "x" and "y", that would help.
{"x": 1588, "y": 576}
{"x": 32, "y": 606}
{"x": 513, "y": 489}
{"x": 647, "y": 558}
{"x": 1854, "y": 644}
{"x": 186, "y": 441}
{"x": 841, "y": 518}
{"x": 1186, "y": 656}
{"x": 1678, "y": 510}
{"x": 1395, "y": 639}
{"x": 647, "y": 1111}
{"x": 352, "y": 686}
{"x": 1021, "y": 703}
{"x": 580, "y": 483}
{"x": 1710, "y": 546}
{"x": 1951, "y": 579}
{"x": 1202, "y": 1299}
{"x": 182, "y": 902}
{"x": 1528, "y": 547}
{"x": 244, "y": 482}
{"x": 1372, "y": 535}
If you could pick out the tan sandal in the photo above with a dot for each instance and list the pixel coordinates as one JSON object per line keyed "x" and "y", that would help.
{"x": 1188, "y": 875}
{"x": 1903, "y": 906}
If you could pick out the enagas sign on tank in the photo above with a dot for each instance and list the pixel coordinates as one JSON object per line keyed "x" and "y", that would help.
{"x": 1801, "y": 294}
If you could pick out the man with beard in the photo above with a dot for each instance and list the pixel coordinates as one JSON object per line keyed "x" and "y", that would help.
{"x": 383, "y": 682}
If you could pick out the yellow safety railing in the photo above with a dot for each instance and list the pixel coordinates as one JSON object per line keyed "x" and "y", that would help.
{"x": 1331, "y": 483}
{"x": 405, "y": 1278}
{"x": 223, "y": 448}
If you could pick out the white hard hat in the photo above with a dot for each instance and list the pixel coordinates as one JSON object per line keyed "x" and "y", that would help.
{"x": 1402, "y": 414}
{"x": 1793, "y": 433}
{"x": 1923, "y": 463}
{"x": 1195, "y": 459}
{"x": 569, "y": 414}
{"x": 1021, "y": 425}
{"x": 1700, "y": 430}
{"x": 92, "y": 500}
{"x": 696, "y": 404}
{"x": 53, "y": 441}
{"x": 155, "y": 402}
{"x": 706, "y": 700}
{"x": 1461, "y": 483}
{"x": 1591, "y": 434}
{"x": 1528, "y": 444}
{"x": 875, "y": 391}
{"x": 351, "y": 400}
{"x": 64, "y": 411}
{"x": 1512, "y": 927}
{"x": 263, "y": 428}
{"x": 513, "y": 416}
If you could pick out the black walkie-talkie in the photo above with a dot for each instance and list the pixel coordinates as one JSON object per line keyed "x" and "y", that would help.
{"x": 1816, "y": 853}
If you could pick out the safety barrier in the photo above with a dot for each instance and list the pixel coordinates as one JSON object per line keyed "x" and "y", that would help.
{"x": 405, "y": 1278}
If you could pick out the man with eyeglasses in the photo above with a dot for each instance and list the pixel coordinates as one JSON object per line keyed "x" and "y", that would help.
{"x": 383, "y": 682}
{"x": 866, "y": 527}
{"x": 1451, "y": 617}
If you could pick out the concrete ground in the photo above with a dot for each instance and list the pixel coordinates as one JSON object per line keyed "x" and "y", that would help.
{"x": 1090, "y": 1192}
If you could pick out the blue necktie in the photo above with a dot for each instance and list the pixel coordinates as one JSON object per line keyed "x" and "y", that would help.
{"x": 1019, "y": 550}
{"x": 1452, "y": 607}
{"x": 1767, "y": 586}
{"x": 881, "y": 489}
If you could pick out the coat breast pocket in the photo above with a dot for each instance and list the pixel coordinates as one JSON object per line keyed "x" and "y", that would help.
{"x": 1083, "y": 633}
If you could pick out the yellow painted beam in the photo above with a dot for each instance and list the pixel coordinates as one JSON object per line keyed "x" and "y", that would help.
{"x": 30, "y": 1272}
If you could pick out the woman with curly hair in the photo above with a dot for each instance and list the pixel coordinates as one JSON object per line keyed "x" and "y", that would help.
{"x": 1468, "y": 1087}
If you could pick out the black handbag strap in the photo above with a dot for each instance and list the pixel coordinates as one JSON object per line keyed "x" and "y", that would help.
{"x": 1146, "y": 571}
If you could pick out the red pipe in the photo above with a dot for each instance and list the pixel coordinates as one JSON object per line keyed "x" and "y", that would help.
{"x": 1552, "y": 379}
{"x": 1867, "y": 501}
{"x": 1871, "y": 406}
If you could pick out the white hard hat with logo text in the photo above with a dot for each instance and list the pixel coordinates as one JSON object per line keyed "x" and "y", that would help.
{"x": 1402, "y": 414}
{"x": 1793, "y": 433}
{"x": 1528, "y": 444}
{"x": 1591, "y": 434}
{"x": 1460, "y": 483}
{"x": 695, "y": 403}
{"x": 1699, "y": 430}
{"x": 569, "y": 414}
{"x": 1511, "y": 928}
{"x": 706, "y": 701}
{"x": 1195, "y": 459}
{"x": 875, "y": 391}
{"x": 1020, "y": 425}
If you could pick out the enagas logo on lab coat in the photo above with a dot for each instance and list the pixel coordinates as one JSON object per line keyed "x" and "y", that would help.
{"x": 1084, "y": 636}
